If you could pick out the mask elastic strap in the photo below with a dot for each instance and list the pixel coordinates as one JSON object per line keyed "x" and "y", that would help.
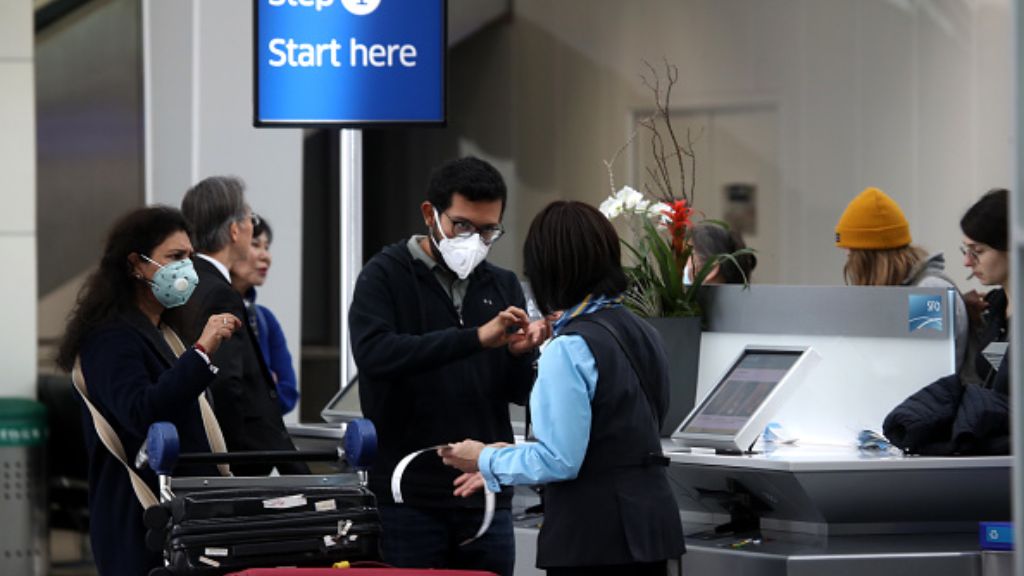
{"x": 151, "y": 261}
{"x": 437, "y": 224}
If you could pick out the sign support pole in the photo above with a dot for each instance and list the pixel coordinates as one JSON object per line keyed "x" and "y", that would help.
{"x": 1016, "y": 258}
{"x": 351, "y": 238}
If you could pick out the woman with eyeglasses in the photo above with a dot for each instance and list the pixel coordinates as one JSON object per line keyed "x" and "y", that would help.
{"x": 114, "y": 345}
{"x": 985, "y": 238}
{"x": 880, "y": 252}
{"x": 968, "y": 413}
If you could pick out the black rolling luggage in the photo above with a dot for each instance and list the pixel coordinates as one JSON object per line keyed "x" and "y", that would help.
{"x": 216, "y": 530}
{"x": 216, "y": 525}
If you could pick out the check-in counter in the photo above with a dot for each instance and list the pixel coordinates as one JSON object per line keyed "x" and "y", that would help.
{"x": 833, "y": 510}
{"x": 821, "y": 505}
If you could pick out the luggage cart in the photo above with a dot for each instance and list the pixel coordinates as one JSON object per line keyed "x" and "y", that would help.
{"x": 216, "y": 525}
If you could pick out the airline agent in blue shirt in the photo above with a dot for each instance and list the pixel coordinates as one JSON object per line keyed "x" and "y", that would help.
{"x": 596, "y": 414}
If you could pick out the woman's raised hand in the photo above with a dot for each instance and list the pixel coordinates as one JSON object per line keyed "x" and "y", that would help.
{"x": 219, "y": 327}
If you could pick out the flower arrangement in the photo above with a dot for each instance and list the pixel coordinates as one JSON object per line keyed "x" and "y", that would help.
{"x": 661, "y": 227}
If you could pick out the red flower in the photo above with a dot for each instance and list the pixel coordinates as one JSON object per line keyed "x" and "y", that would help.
{"x": 679, "y": 221}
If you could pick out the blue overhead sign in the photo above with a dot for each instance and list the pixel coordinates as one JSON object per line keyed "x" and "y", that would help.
{"x": 350, "y": 62}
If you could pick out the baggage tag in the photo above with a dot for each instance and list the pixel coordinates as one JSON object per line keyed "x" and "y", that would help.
{"x": 285, "y": 502}
{"x": 343, "y": 527}
{"x": 326, "y": 506}
{"x": 219, "y": 552}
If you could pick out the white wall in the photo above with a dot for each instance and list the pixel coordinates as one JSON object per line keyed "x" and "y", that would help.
{"x": 912, "y": 96}
{"x": 18, "y": 349}
{"x": 199, "y": 93}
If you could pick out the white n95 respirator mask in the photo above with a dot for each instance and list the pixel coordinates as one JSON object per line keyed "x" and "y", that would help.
{"x": 461, "y": 254}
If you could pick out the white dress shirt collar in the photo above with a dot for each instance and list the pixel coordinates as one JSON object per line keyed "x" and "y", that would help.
{"x": 218, "y": 265}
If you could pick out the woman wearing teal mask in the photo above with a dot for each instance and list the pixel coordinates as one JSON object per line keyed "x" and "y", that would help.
{"x": 132, "y": 376}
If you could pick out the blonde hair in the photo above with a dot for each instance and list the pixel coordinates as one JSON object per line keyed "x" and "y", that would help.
{"x": 889, "y": 267}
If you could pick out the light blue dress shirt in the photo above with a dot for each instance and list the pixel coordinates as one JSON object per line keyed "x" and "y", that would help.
{"x": 560, "y": 406}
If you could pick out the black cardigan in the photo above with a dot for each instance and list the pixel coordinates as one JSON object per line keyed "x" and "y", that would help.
{"x": 424, "y": 378}
{"x": 134, "y": 380}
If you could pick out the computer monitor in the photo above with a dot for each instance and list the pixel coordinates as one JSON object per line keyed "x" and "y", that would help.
{"x": 735, "y": 412}
{"x": 344, "y": 405}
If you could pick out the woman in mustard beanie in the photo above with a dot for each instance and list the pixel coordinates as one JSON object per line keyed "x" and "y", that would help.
{"x": 876, "y": 235}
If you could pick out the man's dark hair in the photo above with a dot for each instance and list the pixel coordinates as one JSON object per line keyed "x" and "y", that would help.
{"x": 210, "y": 207}
{"x": 572, "y": 250}
{"x": 709, "y": 240}
{"x": 471, "y": 177}
{"x": 986, "y": 220}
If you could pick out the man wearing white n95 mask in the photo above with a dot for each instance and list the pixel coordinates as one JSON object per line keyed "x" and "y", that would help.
{"x": 443, "y": 344}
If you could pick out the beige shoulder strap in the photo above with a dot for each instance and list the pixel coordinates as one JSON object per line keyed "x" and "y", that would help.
{"x": 109, "y": 439}
{"x": 214, "y": 435}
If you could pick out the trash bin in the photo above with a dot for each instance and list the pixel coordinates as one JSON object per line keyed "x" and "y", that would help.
{"x": 24, "y": 543}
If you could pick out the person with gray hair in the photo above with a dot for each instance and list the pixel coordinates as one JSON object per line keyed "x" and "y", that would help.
{"x": 244, "y": 395}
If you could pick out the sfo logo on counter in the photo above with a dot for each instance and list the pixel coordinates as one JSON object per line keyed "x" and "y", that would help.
{"x": 350, "y": 62}
{"x": 924, "y": 312}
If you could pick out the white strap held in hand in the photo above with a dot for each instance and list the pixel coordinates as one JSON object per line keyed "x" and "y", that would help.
{"x": 214, "y": 435}
{"x": 396, "y": 492}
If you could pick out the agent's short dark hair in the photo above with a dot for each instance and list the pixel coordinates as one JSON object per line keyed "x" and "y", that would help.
{"x": 263, "y": 227}
{"x": 471, "y": 177}
{"x": 111, "y": 288}
{"x": 985, "y": 221}
{"x": 210, "y": 207}
{"x": 710, "y": 240}
{"x": 572, "y": 250}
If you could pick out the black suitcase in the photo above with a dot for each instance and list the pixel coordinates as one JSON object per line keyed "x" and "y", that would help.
{"x": 216, "y": 525}
{"x": 216, "y": 546}
{"x": 258, "y": 502}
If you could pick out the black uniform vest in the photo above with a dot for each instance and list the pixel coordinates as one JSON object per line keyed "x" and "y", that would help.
{"x": 620, "y": 508}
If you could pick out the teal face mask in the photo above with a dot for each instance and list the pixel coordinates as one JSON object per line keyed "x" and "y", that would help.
{"x": 173, "y": 283}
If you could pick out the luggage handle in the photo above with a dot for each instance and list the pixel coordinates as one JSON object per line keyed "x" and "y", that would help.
{"x": 161, "y": 450}
{"x": 260, "y": 457}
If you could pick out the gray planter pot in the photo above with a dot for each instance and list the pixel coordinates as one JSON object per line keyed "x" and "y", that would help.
{"x": 681, "y": 337}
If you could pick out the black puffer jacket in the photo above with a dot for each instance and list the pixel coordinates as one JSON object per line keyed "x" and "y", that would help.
{"x": 947, "y": 417}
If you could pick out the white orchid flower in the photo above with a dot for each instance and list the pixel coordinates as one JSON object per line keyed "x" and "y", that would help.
{"x": 659, "y": 211}
{"x": 632, "y": 200}
{"x": 611, "y": 207}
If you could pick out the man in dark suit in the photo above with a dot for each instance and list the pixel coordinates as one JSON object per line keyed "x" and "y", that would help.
{"x": 244, "y": 395}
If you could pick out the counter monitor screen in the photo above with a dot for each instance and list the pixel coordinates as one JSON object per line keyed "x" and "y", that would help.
{"x": 739, "y": 405}
{"x": 344, "y": 406}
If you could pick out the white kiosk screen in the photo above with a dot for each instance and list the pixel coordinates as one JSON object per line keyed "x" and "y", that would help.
{"x": 735, "y": 412}
{"x": 743, "y": 390}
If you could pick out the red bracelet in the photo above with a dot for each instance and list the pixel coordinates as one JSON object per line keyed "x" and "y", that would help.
{"x": 199, "y": 347}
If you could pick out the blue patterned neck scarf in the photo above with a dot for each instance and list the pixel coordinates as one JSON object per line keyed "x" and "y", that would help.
{"x": 589, "y": 305}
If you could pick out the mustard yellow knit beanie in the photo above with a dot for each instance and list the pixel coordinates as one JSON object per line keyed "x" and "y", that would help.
{"x": 872, "y": 221}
